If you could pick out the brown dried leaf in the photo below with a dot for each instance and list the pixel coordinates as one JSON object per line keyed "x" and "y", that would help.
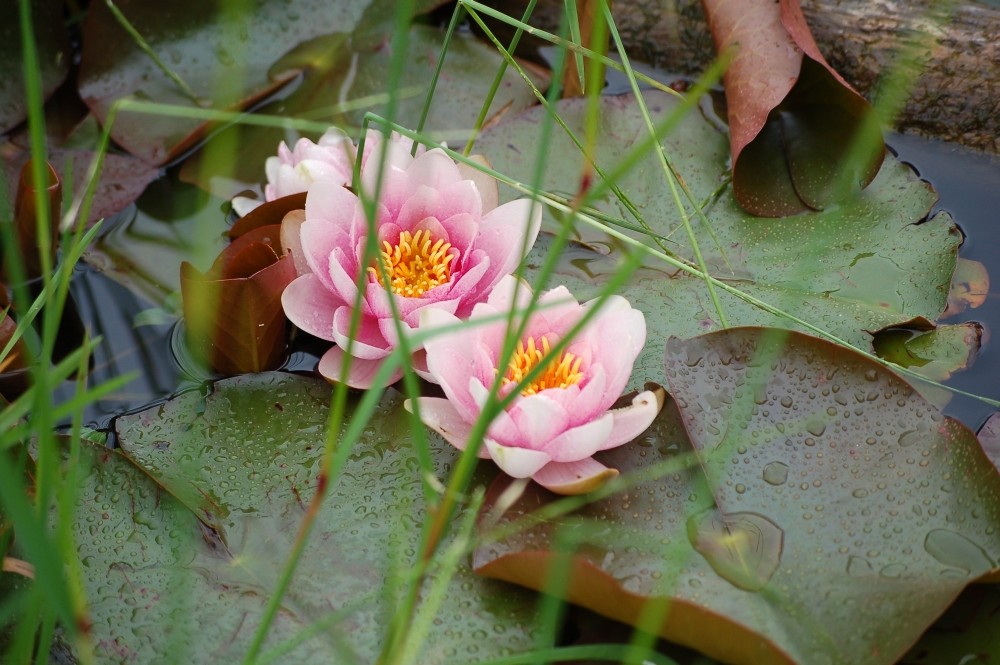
{"x": 800, "y": 137}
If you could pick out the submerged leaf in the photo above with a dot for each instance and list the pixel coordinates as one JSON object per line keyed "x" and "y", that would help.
{"x": 801, "y": 138}
{"x": 833, "y": 516}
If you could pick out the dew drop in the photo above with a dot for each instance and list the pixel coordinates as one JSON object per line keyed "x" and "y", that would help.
{"x": 776, "y": 473}
{"x": 743, "y": 548}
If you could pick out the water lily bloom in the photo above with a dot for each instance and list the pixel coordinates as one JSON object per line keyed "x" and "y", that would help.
{"x": 563, "y": 416}
{"x": 443, "y": 239}
{"x": 330, "y": 160}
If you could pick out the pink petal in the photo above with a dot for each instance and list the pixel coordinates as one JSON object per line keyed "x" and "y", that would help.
{"x": 441, "y": 416}
{"x": 291, "y": 240}
{"x": 361, "y": 373}
{"x": 510, "y": 293}
{"x": 419, "y": 365}
{"x": 516, "y": 462}
{"x": 581, "y": 442}
{"x": 539, "y": 420}
{"x": 310, "y": 306}
{"x": 334, "y": 205}
{"x": 368, "y": 342}
{"x": 502, "y": 429}
{"x": 339, "y": 278}
{"x": 423, "y": 202}
{"x": 487, "y": 185}
{"x": 451, "y": 359}
{"x": 583, "y": 402}
{"x": 461, "y": 230}
{"x": 631, "y": 421}
{"x": 319, "y": 240}
{"x": 434, "y": 169}
{"x": 507, "y": 233}
{"x": 574, "y": 477}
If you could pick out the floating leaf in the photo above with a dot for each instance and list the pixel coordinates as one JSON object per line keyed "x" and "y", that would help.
{"x": 52, "y": 48}
{"x": 933, "y": 351}
{"x": 219, "y": 58}
{"x": 969, "y": 287}
{"x": 245, "y": 460}
{"x": 359, "y": 70}
{"x": 861, "y": 267}
{"x": 833, "y": 516}
{"x": 801, "y": 137}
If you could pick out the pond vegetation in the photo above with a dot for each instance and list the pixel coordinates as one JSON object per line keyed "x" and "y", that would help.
{"x": 351, "y": 332}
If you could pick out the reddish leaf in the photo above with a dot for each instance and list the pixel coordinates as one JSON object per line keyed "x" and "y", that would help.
{"x": 801, "y": 138}
{"x": 969, "y": 287}
{"x": 233, "y": 313}
{"x": 121, "y": 180}
{"x": 267, "y": 214}
{"x": 14, "y": 367}
{"x": 26, "y": 222}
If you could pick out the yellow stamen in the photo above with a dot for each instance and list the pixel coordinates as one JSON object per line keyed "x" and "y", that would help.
{"x": 562, "y": 373}
{"x": 415, "y": 264}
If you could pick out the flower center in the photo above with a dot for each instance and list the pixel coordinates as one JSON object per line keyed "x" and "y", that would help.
{"x": 558, "y": 373}
{"x": 415, "y": 264}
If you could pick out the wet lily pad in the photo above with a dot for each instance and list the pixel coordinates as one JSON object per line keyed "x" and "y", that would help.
{"x": 832, "y": 516}
{"x": 861, "y": 267}
{"x": 223, "y": 56}
{"x": 244, "y": 460}
{"x": 359, "y": 70}
{"x": 148, "y": 571}
{"x": 52, "y": 45}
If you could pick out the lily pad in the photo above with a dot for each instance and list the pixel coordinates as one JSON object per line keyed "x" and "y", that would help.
{"x": 148, "y": 571}
{"x": 222, "y": 56}
{"x": 244, "y": 460}
{"x": 360, "y": 70}
{"x": 52, "y": 48}
{"x": 834, "y": 514}
{"x": 874, "y": 262}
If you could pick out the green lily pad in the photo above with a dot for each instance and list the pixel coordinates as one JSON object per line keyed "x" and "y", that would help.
{"x": 149, "y": 576}
{"x": 358, "y": 70}
{"x": 860, "y": 267}
{"x": 834, "y": 514}
{"x": 244, "y": 460}
{"x": 223, "y": 55}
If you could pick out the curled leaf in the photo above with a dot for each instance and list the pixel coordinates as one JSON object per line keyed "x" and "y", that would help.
{"x": 801, "y": 138}
{"x": 969, "y": 287}
{"x": 26, "y": 222}
{"x": 233, "y": 313}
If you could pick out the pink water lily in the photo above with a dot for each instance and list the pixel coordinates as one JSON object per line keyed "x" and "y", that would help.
{"x": 444, "y": 241}
{"x": 330, "y": 161}
{"x": 561, "y": 418}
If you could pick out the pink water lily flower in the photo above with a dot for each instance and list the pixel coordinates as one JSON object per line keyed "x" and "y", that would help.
{"x": 444, "y": 241}
{"x": 561, "y": 418}
{"x": 330, "y": 160}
